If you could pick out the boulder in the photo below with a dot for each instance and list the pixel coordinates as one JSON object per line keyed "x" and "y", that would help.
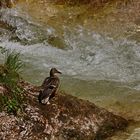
{"x": 65, "y": 118}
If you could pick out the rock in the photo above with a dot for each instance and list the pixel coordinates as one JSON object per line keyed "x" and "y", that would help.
{"x": 65, "y": 118}
{"x": 7, "y": 3}
{"x": 27, "y": 33}
{"x": 80, "y": 2}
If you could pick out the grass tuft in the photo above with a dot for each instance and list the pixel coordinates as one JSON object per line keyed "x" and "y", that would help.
{"x": 12, "y": 100}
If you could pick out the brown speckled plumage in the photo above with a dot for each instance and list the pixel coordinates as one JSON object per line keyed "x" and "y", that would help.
{"x": 49, "y": 87}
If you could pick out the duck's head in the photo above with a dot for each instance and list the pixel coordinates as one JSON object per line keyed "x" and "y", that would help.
{"x": 54, "y": 71}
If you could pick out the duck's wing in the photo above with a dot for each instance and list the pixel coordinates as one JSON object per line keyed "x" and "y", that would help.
{"x": 46, "y": 82}
{"x": 49, "y": 91}
{"x": 44, "y": 96}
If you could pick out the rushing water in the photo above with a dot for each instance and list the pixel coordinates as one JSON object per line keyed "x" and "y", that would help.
{"x": 99, "y": 61}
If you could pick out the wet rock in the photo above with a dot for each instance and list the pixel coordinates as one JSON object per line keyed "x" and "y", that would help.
{"x": 7, "y": 3}
{"x": 26, "y": 32}
{"x": 66, "y": 118}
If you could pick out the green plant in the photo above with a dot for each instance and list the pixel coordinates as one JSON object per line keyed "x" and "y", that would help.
{"x": 13, "y": 61}
{"x": 10, "y": 69}
{"x": 9, "y": 78}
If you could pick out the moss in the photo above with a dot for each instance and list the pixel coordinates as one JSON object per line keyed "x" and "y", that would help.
{"x": 57, "y": 42}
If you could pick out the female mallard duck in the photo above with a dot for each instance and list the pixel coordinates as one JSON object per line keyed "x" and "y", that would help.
{"x": 49, "y": 87}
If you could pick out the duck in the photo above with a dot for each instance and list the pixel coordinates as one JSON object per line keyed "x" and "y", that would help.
{"x": 49, "y": 87}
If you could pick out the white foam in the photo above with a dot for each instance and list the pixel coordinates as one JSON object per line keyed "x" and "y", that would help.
{"x": 135, "y": 135}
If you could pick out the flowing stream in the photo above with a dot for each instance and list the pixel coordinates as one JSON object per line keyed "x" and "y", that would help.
{"x": 98, "y": 54}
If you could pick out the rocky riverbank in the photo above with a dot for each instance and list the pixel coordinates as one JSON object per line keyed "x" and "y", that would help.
{"x": 65, "y": 118}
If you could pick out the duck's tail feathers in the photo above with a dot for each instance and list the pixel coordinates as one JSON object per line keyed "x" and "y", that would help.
{"x": 45, "y": 101}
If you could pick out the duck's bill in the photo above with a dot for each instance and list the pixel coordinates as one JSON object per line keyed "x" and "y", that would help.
{"x": 59, "y": 72}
